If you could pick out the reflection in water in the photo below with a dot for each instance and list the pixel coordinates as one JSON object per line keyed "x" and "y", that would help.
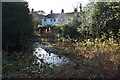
{"x": 46, "y": 57}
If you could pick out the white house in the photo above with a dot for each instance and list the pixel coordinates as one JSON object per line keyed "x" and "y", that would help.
{"x": 58, "y": 18}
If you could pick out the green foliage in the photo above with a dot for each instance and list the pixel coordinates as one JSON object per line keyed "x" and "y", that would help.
{"x": 105, "y": 18}
{"x": 55, "y": 31}
{"x": 17, "y": 25}
{"x": 100, "y": 18}
{"x": 35, "y": 20}
{"x": 49, "y": 36}
{"x": 70, "y": 31}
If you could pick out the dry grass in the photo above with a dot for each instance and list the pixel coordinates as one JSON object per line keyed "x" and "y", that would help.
{"x": 100, "y": 60}
{"x": 105, "y": 56}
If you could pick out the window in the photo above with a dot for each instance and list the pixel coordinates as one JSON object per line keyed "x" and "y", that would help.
{"x": 51, "y": 20}
{"x": 54, "y": 20}
{"x": 44, "y": 19}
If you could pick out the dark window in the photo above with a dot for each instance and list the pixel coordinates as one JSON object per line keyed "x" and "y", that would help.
{"x": 51, "y": 20}
{"x": 44, "y": 19}
{"x": 54, "y": 20}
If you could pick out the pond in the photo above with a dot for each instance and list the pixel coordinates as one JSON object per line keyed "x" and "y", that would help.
{"x": 47, "y": 55}
{"x": 48, "y": 60}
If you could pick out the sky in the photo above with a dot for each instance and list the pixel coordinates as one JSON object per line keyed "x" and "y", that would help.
{"x": 55, "y": 5}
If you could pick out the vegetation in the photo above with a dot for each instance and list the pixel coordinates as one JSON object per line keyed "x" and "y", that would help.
{"x": 17, "y": 30}
{"x": 91, "y": 41}
{"x": 93, "y": 36}
{"x": 17, "y": 25}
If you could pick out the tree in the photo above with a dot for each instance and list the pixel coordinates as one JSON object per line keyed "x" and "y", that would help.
{"x": 17, "y": 25}
{"x": 106, "y": 18}
{"x": 41, "y": 12}
{"x": 101, "y": 17}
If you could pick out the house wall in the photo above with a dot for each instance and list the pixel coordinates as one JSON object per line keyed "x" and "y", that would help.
{"x": 48, "y": 21}
{"x": 61, "y": 19}
{"x": 57, "y": 21}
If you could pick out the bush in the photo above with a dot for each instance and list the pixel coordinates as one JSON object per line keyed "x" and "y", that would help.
{"x": 48, "y": 36}
{"x": 70, "y": 31}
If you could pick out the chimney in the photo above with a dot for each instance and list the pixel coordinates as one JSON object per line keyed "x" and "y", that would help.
{"x": 62, "y": 11}
{"x": 51, "y": 12}
{"x": 80, "y": 7}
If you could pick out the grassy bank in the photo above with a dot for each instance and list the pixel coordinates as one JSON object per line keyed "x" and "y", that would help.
{"x": 105, "y": 56}
{"x": 14, "y": 63}
{"x": 95, "y": 59}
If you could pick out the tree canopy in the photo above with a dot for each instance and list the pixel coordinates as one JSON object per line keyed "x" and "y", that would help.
{"x": 99, "y": 18}
{"x": 17, "y": 24}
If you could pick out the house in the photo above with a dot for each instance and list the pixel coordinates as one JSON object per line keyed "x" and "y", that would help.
{"x": 58, "y": 18}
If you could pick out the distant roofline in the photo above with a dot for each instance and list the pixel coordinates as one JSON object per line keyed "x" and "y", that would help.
{"x": 59, "y": 13}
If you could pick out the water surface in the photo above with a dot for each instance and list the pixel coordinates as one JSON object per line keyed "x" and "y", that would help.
{"x": 45, "y": 54}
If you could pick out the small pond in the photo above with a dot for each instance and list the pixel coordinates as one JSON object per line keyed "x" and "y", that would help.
{"x": 46, "y": 55}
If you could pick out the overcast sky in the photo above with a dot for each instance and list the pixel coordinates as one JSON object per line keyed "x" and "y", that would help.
{"x": 55, "y": 5}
